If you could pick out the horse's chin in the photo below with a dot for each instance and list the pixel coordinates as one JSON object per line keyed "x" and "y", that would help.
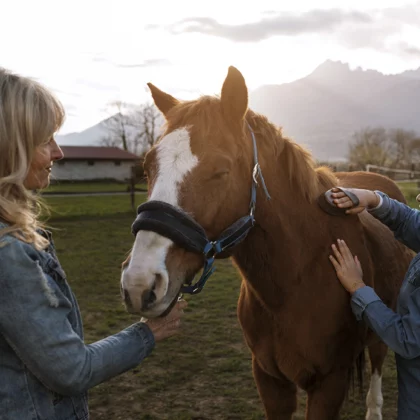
{"x": 170, "y": 306}
{"x": 188, "y": 280}
{"x": 162, "y": 308}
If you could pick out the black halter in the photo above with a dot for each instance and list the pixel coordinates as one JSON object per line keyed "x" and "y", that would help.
{"x": 173, "y": 223}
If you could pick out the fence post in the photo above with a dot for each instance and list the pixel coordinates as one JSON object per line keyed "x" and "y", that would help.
{"x": 133, "y": 188}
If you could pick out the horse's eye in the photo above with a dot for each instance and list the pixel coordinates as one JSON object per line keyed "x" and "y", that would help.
{"x": 219, "y": 174}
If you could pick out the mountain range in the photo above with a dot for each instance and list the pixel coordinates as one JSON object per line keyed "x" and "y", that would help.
{"x": 324, "y": 109}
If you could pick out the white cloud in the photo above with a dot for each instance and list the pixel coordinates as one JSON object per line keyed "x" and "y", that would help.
{"x": 92, "y": 52}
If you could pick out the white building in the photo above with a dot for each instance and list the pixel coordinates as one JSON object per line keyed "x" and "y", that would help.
{"x": 84, "y": 163}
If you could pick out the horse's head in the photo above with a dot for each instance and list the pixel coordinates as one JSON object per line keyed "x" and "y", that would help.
{"x": 202, "y": 165}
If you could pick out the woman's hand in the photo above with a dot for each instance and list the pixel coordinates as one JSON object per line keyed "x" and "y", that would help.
{"x": 170, "y": 324}
{"x": 349, "y": 271}
{"x": 367, "y": 199}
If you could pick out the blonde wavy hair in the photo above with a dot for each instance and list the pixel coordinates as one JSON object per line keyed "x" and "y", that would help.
{"x": 29, "y": 116}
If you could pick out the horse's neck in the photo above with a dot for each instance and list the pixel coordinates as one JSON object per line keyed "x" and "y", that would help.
{"x": 294, "y": 186}
{"x": 285, "y": 226}
{"x": 274, "y": 256}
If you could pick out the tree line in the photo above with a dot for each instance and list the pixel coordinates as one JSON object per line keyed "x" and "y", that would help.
{"x": 392, "y": 148}
{"x": 134, "y": 128}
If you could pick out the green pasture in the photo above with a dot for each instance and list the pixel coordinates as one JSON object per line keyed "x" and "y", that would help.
{"x": 205, "y": 372}
{"x": 410, "y": 190}
{"x": 88, "y": 187}
{"x": 91, "y": 206}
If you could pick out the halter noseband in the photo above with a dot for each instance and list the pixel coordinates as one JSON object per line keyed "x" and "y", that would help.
{"x": 173, "y": 223}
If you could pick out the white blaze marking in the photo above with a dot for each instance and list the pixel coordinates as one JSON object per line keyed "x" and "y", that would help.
{"x": 174, "y": 161}
{"x": 374, "y": 398}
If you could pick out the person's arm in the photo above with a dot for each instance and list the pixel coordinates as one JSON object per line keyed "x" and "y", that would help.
{"x": 400, "y": 333}
{"x": 403, "y": 220}
{"x": 33, "y": 320}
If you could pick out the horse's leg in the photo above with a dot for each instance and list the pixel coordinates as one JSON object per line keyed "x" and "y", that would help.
{"x": 277, "y": 394}
{"x": 374, "y": 398}
{"x": 326, "y": 397}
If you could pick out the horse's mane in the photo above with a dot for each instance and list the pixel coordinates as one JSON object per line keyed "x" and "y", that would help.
{"x": 301, "y": 167}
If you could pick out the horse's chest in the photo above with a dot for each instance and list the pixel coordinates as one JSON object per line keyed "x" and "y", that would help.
{"x": 278, "y": 354}
{"x": 275, "y": 347}
{"x": 292, "y": 343}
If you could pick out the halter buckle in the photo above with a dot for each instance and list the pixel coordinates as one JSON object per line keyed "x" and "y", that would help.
{"x": 211, "y": 249}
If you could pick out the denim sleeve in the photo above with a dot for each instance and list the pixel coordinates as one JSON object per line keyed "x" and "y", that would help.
{"x": 403, "y": 220}
{"x": 400, "y": 333}
{"x": 33, "y": 320}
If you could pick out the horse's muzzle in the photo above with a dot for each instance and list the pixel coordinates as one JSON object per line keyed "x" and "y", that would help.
{"x": 127, "y": 301}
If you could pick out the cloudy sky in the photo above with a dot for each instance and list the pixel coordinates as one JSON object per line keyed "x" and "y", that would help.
{"x": 94, "y": 52}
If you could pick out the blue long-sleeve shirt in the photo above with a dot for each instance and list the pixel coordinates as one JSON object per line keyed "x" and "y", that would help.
{"x": 399, "y": 330}
{"x": 45, "y": 366}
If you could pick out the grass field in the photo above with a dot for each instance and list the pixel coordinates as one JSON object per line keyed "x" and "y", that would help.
{"x": 410, "y": 190}
{"x": 204, "y": 373}
{"x": 87, "y": 187}
{"x": 93, "y": 206}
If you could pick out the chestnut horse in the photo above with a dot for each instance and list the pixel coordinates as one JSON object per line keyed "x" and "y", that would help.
{"x": 295, "y": 315}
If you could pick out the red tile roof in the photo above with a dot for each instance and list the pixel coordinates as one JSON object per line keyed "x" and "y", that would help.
{"x": 96, "y": 153}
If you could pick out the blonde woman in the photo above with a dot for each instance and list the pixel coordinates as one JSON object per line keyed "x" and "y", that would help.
{"x": 45, "y": 367}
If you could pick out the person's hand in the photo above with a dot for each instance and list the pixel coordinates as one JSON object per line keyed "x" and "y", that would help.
{"x": 367, "y": 199}
{"x": 168, "y": 325}
{"x": 348, "y": 268}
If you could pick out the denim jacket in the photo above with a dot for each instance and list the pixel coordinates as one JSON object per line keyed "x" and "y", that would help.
{"x": 45, "y": 367}
{"x": 400, "y": 330}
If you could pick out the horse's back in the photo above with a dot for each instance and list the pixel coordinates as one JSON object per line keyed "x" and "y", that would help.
{"x": 370, "y": 181}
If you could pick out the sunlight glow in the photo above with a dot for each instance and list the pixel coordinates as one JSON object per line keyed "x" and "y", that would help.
{"x": 91, "y": 53}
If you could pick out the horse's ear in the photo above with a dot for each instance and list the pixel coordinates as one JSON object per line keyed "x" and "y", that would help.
{"x": 234, "y": 95}
{"x": 162, "y": 100}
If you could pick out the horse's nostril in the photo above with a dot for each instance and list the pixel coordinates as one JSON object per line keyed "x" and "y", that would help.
{"x": 149, "y": 298}
{"x": 127, "y": 299}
